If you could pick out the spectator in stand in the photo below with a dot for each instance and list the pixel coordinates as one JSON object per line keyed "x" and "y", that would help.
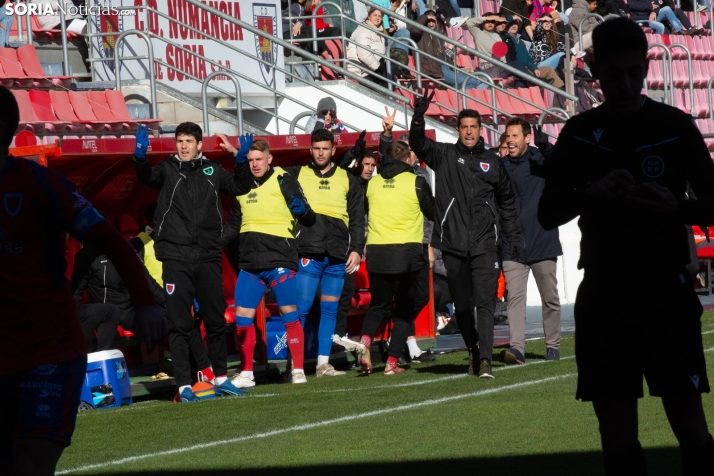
{"x": 5, "y": 25}
{"x": 325, "y": 117}
{"x": 547, "y": 47}
{"x": 580, "y": 9}
{"x": 541, "y": 248}
{"x": 681, "y": 16}
{"x": 324, "y": 30}
{"x": 518, "y": 55}
{"x": 296, "y": 30}
{"x": 449, "y": 12}
{"x": 519, "y": 8}
{"x": 466, "y": 8}
{"x": 428, "y": 44}
{"x": 365, "y": 43}
{"x": 651, "y": 13}
{"x": 52, "y": 22}
{"x": 400, "y": 51}
{"x": 452, "y": 74}
{"x": 483, "y": 29}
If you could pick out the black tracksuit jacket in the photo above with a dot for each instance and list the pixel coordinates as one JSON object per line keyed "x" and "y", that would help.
{"x": 263, "y": 251}
{"x": 189, "y": 212}
{"x": 474, "y": 199}
{"x": 329, "y": 235}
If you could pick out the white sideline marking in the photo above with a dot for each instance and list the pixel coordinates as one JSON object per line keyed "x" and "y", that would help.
{"x": 310, "y": 426}
{"x": 708, "y": 332}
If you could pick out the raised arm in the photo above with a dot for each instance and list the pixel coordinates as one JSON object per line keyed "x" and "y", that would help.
{"x": 426, "y": 149}
{"x": 354, "y": 153}
{"x": 151, "y": 176}
{"x": 240, "y": 181}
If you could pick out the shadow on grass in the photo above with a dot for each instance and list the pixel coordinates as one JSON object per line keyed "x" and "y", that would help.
{"x": 661, "y": 462}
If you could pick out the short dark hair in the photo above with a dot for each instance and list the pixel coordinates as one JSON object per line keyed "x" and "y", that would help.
{"x": 10, "y": 118}
{"x": 404, "y": 137}
{"x": 519, "y": 121}
{"x": 367, "y": 154}
{"x": 502, "y": 139}
{"x": 613, "y": 37}
{"x": 189, "y": 129}
{"x": 260, "y": 145}
{"x": 322, "y": 135}
{"x": 464, "y": 113}
{"x": 399, "y": 151}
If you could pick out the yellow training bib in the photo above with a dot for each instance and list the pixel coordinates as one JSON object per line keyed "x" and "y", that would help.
{"x": 264, "y": 210}
{"x": 326, "y": 195}
{"x": 394, "y": 213}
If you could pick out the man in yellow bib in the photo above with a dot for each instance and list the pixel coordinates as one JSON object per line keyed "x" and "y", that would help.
{"x": 398, "y": 200}
{"x": 268, "y": 217}
{"x": 334, "y": 245}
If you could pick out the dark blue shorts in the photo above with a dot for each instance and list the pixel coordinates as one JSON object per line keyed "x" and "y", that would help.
{"x": 42, "y": 402}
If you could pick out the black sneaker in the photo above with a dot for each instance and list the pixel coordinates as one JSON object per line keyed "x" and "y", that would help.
{"x": 471, "y": 363}
{"x": 423, "y": 357}
{"x": 552, "y": 354}
{"x": 513, "y": 357}
{"x": 484, "y": 370}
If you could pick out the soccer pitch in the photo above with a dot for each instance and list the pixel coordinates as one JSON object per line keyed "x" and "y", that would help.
{"x": 433, "y": 419}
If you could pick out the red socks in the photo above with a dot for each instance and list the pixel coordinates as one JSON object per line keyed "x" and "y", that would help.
{"x": 366, "y": 340}
{"x": 296, "y": 344}
{"x": 246, "y": 336}
{"x": 392, "y": 361}
{"x": 208, "y": 374}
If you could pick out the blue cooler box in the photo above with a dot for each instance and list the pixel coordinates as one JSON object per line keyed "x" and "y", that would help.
{"x": 278, "y": 339}
{"x": 106, "y": 384}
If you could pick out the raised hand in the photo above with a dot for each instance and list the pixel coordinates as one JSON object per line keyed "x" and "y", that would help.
{"x": 421, "y": 105}
{"x": 388, "y": 120}
{"x": 142, "y": 142}
{"x": 246, "y": 142}
{"x": 225, "y": 145}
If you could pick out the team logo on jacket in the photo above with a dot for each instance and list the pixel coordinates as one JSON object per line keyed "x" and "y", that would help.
{"x": 653, "y": 166}
{"x": 304, "y": 262}
{"x": 485, "y": 166}
{"x": 208, "y": 170}
{"x": 170, "y": 288}
{"x": 12, "y": 202}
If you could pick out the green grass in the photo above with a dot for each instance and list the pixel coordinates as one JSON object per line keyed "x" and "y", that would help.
{"x": 516, "y": 422}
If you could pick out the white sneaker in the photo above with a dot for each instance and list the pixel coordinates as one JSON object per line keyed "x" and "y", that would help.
{"x": 349, "y": 345}
{"x": 701, "y": 8}
{"x": 241, "y": 381}
{"x": 327, "y": 370}
{"x": 298, "y": 376}
{"x": 457, "y": 22}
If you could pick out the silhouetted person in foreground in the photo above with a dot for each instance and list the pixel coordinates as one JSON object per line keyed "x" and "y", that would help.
{"x": 623, "y": 168}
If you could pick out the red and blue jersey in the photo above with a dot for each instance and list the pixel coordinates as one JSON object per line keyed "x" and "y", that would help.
{"x": 38, "y": 320}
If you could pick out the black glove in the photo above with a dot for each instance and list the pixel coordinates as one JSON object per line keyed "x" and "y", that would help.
{"x": 516, "y": 252}
{"x": 421, "y": 104}
{"x": 360, "y": 143}
{"x": 541, "y": 140}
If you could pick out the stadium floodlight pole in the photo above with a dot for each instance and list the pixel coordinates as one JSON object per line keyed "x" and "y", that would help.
{"x": 204, "y": 100}
{"x": 152, "y": 76}
{"x": 580, "y": 27}
{"x": 691, "y": 75}
{"x": 666, "y": 72}
{"x": 516, "y": 72}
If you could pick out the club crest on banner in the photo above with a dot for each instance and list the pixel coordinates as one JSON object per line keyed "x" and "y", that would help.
{"x": 485, "y": 166}
{"x": 265, "y": 18}
{"x": 108, "y": 21}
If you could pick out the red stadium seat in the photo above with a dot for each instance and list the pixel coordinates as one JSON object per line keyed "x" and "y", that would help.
{"x": 28, "y": 119}
{"x": 115, "y": 100}
{"x": 27, "y": 55}
{"x": 45, "y": 112}
{"x": 12, "y": 70}
{"x": 83, "y": 109}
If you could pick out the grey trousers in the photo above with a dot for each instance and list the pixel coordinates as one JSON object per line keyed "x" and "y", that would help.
{"x": 516, "y": 283}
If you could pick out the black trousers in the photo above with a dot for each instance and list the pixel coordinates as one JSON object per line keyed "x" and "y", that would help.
{"x": 473, "y": 280}
{"x": 204, "y": 282}
{"x": 348, "y": 291}
{"x": 421, "y": 296}
{"x": 386, "y": 289}
{"x": 442, "y": 296}
{"x": 102, "y": 317}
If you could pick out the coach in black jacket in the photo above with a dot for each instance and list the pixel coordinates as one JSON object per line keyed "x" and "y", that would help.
{"x": 188, "y": 239}
{"x": 473, "y": 193}
{"x": 540, "y": 247}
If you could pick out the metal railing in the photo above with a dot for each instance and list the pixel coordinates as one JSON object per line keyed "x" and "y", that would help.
{"x": 204, "y": 101}
{"x": 667, "y": 72}
{"x": 690, "y": 70}
{"x": 580, "y": 27}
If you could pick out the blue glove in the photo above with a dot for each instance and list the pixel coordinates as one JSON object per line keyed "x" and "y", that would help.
{"x": 297, "y": 206}
{"x": 142, "y": 142}
{"x": 195, "y": 306}
{"x": 246, "y": 142}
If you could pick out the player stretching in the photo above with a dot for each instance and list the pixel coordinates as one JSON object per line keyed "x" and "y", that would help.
{"x": 43, "y": 358}
{"x": 268, "y": 218}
